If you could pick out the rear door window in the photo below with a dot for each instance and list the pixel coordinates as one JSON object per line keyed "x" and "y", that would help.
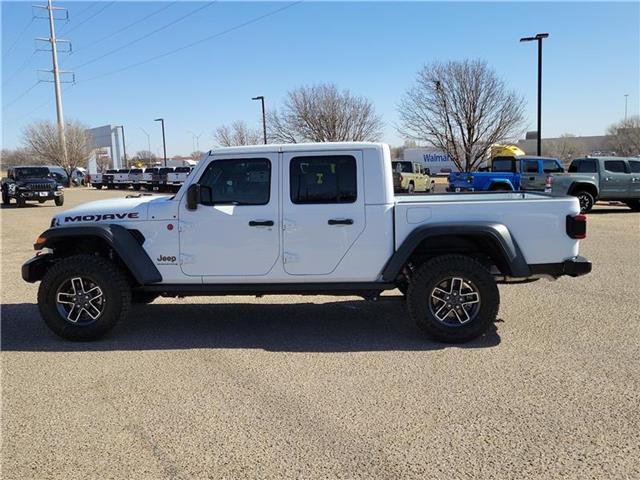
{"x": 615, "y": 166}
{"x": 634, "y": 166}
{"x": 530, "y": 166}
{"x": 323, "y": 179}
{"x": 502, "y": 165}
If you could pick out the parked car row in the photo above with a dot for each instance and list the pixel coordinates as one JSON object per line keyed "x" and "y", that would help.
{"x": 162, "y": 179}
{"x": 589, "y": 178}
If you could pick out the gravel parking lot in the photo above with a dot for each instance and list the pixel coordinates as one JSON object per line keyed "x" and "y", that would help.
{"x": 324, "y": 387}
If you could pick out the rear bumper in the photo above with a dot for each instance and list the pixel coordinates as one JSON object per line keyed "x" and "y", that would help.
{"x": 35, "y": 268}
{"x": 453, "y": 188}
{"x": 574, "y": 267}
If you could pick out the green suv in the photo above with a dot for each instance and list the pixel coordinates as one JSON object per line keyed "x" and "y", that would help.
{"x": 600, "y": 178}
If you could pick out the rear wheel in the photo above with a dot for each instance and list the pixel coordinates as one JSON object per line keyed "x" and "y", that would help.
{"x": 453, "y": 298}
{"x": 411, "y": 188}
{"x": 98, "y": 186}
{"x": 83, "y": 297}
{"x": 586, "y": 200}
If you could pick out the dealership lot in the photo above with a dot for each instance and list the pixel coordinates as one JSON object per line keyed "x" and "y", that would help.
{"x": 236, "y": 387}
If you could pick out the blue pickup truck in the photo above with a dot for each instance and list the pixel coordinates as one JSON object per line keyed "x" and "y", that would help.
{"x": 507, "y": 174}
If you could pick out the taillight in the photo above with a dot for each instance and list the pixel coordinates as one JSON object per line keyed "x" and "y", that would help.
{"x": 548, "y": 182}
{"x": 577, "y": 226}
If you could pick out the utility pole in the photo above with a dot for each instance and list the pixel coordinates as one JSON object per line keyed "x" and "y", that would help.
{"x": 56, "y": 75}
{"x": 195, "y": 140}
{"x": 626, "y": 97}
{"x": 124, "y": 146}
{"x": 264, "y": 118}
{"x": 539, "y": 37}
{"x": 148, "y": 139}
{"x": 164, "y": 143}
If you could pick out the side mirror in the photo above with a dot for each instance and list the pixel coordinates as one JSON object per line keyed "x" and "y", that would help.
{"x": 193, "y": 196}
{"x": 427, "y": 171}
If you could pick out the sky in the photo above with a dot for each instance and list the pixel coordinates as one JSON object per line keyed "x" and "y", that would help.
{"x": 244, "y": 49}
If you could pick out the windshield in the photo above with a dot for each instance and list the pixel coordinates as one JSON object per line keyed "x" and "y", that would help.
{"x": 32, "y": 172}
{"x": 402, "y": 167}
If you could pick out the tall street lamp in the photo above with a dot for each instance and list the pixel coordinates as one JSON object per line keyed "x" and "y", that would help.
{"x": 626, "y": 97}
{"x": 164, "y": 143}
{"x": 124, "y": 147}
{"x": 264, "y": 118}
{"x": 539, "y": 37}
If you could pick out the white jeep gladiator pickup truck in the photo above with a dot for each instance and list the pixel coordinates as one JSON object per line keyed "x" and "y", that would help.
{"x": 302, "y": 219}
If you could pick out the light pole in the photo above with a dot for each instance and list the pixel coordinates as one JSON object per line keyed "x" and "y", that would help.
{"x": 164, "y": 143}
{"x": 124, "y": 146}
{"x": 148, "y": 139}
{"x": 264, "y": 118}
{"x": 539, "y": 37}
{"x": 626, "y": 97}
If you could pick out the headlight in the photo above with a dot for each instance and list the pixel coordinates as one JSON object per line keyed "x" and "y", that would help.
{"x": 60, "y": 187}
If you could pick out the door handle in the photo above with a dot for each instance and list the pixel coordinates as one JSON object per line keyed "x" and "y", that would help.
{"x": 532, "y": 178}
{"x": 341, "y": 221}
{"x": 607, "y": 179}
{"x": 261, "y": 223}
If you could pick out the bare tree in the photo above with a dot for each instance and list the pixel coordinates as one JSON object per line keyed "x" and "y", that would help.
{"x": 145, "y": 156}
{"x": 566, "y": 148}
{"x": 237, "y": 134}
{"x": 322, "y": 113}
{"x": 461, "y": 108}
{"x": 624, "y": 137}
{"x": 41, "y": 140}
{"x": 17, "y": 157}
{"x": 103, "y": 160}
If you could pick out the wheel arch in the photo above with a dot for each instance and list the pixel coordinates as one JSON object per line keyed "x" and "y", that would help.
{"x": 586, "y": 186}
{"x": 492, "y": 240}
{"x": 125, "y": 244}
{"x": 500, "y": 183}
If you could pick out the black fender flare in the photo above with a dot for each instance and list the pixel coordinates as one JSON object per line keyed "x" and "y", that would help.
{"x": 582, "y": 185}
{"x": 117, "y": 237}
{"x": 497, "y": 233}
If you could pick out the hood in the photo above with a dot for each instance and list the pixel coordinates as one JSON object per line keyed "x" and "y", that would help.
{"x": 27, "y": 181}
{"x": 113, "y": 210}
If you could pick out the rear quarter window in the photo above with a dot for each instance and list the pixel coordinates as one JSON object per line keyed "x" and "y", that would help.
{"x": 634, "y": 166}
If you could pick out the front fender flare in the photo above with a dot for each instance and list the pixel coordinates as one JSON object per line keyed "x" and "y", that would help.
{"x": 496, "y": 233}
{"x": 117, "y": 237}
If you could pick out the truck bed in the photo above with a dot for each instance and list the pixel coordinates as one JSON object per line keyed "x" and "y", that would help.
{"x": 536, "y": 220}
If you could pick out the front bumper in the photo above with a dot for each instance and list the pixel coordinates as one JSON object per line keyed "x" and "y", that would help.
{"x": 34, "y": 269}
{"x": 574, "y": 267}
{"x": 35, "y": 195}
{"x": 452, "y": 188}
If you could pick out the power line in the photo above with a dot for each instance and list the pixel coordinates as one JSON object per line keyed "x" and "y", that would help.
{"x": 127, "y": 27}
{"x": 7, "y": 105}
{"x": 22, "y": 66}
{"x": 197, "y": 42}
{"x": 67, "y": 32}
{"x": 139, "y": 39}
{"x": 19, "y": 37}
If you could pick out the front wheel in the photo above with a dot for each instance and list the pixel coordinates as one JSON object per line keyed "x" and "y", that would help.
{"x": 411, "y": 188}
{"x": 6, "y": 200}
{"x": 453, "y": 298}
{"x": 83, "y": 297}
{"x": 21, "y": 202}
{"x": 98, "y": 186}
{"x": 586, "y": 200}
{"x": 59, "y": 201}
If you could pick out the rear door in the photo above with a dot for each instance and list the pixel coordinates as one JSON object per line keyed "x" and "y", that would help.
{"x": 532, "y": 177}
{"x": 634, "y": 185}
{"x": 323, "y": 209}
{"x": 615, "y": 179}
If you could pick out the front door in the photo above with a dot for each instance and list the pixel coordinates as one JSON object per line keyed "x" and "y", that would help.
{"x": 614, "y": 180}
{"x": 532, "y": 176}
{"x": 234, "y": 230}
{"x": 323, "y": 209}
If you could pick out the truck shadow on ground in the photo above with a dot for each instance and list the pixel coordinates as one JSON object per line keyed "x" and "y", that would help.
{"x": 341, "y": 326}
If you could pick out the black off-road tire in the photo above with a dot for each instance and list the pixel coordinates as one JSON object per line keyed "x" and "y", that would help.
{"x": 21, "y": 202}
{"x": 634, "y": 204}
{"x": 586, "y": 200}
{"x": 437, "y": 270}
{"x": 411, "y": 188}
{"x": 136, "y": 187}
{"x": 105, "y": 274}
{"x": 98, "y": 186}
{"x": 59, "y": 201}
{"x": 6, "y": 199}
{"x": 143, "y": 297}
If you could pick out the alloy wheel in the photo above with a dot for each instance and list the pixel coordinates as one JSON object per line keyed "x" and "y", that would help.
{"x": 455, "y": 301}
{"x": 80, "y": 301}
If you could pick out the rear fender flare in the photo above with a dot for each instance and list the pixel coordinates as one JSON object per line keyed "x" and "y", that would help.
{"x": 120, "y": 239}
{"x": 496, "y": 233}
